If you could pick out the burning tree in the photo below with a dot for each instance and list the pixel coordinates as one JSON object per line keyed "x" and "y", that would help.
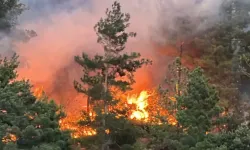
{"x": 176, "y": 83}
{"x": 102, "y": 74}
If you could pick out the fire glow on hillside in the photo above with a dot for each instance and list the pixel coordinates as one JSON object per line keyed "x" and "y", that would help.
{"x": 145, "y": 110}
{"x": 143, "y": 101}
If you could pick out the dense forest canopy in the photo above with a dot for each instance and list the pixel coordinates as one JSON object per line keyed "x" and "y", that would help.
{"x": 202, "y": 104}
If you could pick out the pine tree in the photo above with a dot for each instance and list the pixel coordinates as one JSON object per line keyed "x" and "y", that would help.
{"x": 25, "y": 122}
{"x": 198, "y": 113}
{"x": 198, "y": 106}
{"x": 113, "y": 70}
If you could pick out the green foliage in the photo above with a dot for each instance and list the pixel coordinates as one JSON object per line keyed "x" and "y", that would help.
{"x": 197, "y": 107}
{"x": 114, "y": 70}
{"x": 197, "y": 113}
{"x": 34, "y": 123}
{"x": 94, "y": 72}
{"x": 238, "y": 139}
{"x": 11, "y": 146}
{"x": 127, "y": 147}
{"x": 7, "y": 69}
{"x": 111, "y": 30}
{"x": 162, "y": 136}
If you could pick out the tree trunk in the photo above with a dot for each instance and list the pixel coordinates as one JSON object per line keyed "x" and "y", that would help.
{"x": 88, "y": 105}
{"x": 105, "y": 145}
{"x": 105, "y": 90}
{"x": 179, "y": 82}
{"x": 179, "y": 73}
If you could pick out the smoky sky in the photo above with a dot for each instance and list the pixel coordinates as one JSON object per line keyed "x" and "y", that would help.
{"x": 45, "y": 8}
{"x": 157, "y": 16}
{"x": 65, "y": 28}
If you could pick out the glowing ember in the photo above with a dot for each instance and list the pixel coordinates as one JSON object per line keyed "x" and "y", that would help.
{"x": 141, "y": 103}
{"x": 172, "y": 99}
{"x": 172, "y": 120}
{"x": 38, "y": 92}
{"x": 107, "y": 131}
{"x": 71, "y": 123}
{"x": 9, "y": 138}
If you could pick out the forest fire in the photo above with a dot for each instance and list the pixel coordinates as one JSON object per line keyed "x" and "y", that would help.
{"x": 144, "y": 107}
{"x": 77, "y": 84}
{"x": 58, "y": 81}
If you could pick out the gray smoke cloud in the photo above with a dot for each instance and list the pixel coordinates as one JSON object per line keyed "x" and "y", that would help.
{"x": 184, "y": 19}
{"x": 65, "y": 29}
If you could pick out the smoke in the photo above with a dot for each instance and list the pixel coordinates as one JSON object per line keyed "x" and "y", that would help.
{"x": 182, "y": 20}
{"x": 65, "y": 29}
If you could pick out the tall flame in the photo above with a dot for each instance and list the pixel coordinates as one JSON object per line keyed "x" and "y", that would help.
{"x": 141, "y": 103}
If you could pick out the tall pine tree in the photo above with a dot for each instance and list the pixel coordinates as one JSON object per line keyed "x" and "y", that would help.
{"x": 198, "y": 105}
{"x": 103, "y": 73}
{"x": 198, "y": 113}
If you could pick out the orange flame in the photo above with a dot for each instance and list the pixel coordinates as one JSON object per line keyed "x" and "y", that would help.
{"x": 38, "y": 92}
{"x": 9, "y": 138}
{"x": 143, "y": 109}
{"x": 141, "y": 103}
{"x": 70, "y": 123}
